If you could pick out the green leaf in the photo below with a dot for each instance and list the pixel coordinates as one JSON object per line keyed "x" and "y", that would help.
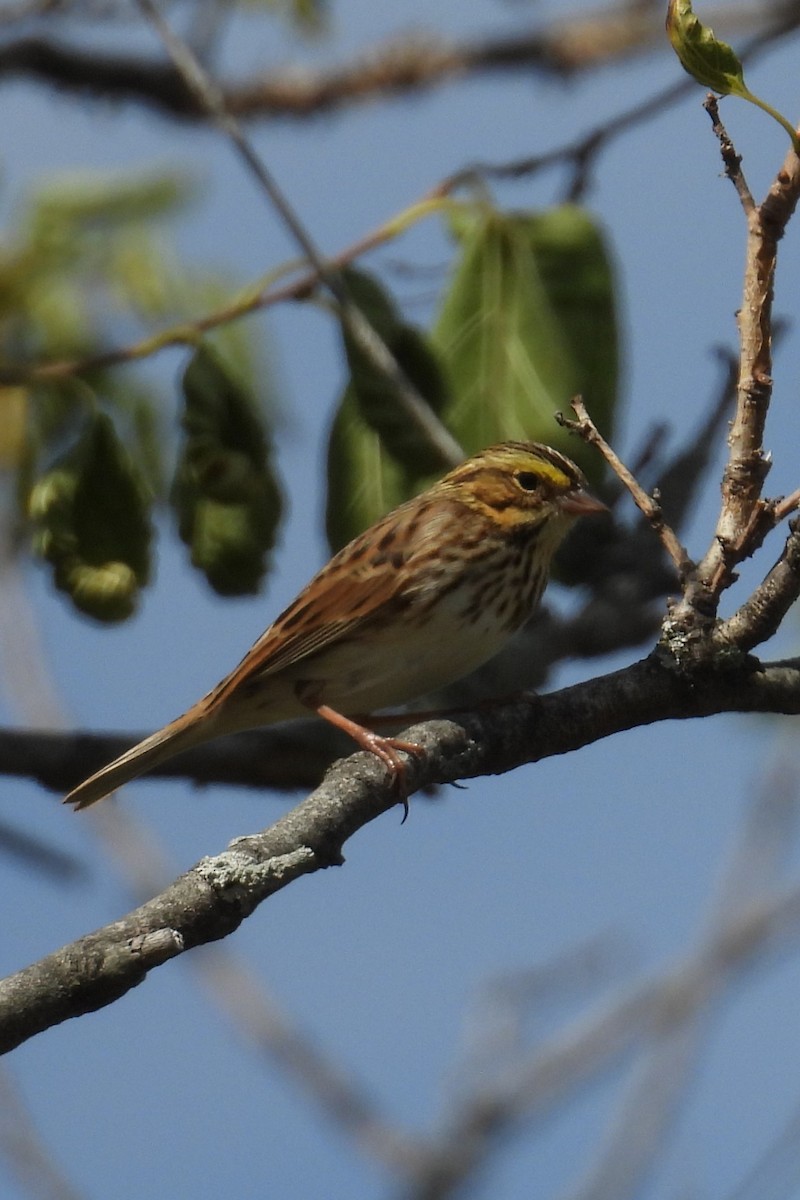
{"x": 225, "y": 493}
{"x": 527, "y": 321}
{"x": 713, "y": 62}
{"x": 309, "y": 17}
{"x": 376, "y": 455}
{"x": 14, "y": 409}
{"x": 229, "y": 540}
{"x": 507, "y": 360}
{"x": 707, "y": 59}
{"x": 377, "y": 399}
{"x": 364, "y": 480}
{"x": 578, "y": 276}
{"x": 96, "y": 199}
{"x": 92, "y": 523}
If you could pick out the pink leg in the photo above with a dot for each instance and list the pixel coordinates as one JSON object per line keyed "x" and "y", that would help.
{"x": 384, "y": 748}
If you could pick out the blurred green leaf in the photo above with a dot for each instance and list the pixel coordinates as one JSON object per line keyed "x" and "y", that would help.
{"x": 92, "y": 523}
{"x": 81, "y": 255}
{"x": 507, "y": 360}
{"x": 101, "y": 200}
{"x": 376, "y": 456}
{"x": 225, "y": 493}
{"x": 228, "y": 541}
{"x": 578, "y": 276}
{"x": 527, "y": 322}
{"x": 364, "y": 480}
{"x": 306, "y": 16}
{"x": 84, "y": 259}
{"x": 14, "y": 407}
{"x": 377, "y": 400}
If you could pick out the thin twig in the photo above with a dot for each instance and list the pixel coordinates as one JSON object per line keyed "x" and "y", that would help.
{"x": 25, "y": 1154}
{"x": 648, "y": 506}
{"x": 786, "y": 506}
{"x": 577, "y": 152}
{"x": 653, "y": 1013}
{"x": 249, "y": 301}
{"x": 211, "y": 99}
{"x": 762, "y": 613}
{"x": 643, "y": 1121}
{"x": 745, "y": 518}
{"x": 580, "y": 154}
{"x": 418, "y": 412}
{"x": 679, "y": 482}
{"x": 731, "y": 160}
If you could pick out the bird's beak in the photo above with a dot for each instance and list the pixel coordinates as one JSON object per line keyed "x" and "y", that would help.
{"x": 582, "y": 504}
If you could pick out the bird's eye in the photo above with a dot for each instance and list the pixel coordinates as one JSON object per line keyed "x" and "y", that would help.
{"x": 528, "y": 480}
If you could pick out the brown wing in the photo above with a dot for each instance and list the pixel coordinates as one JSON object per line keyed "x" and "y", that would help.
{"x": 367, "y": 580}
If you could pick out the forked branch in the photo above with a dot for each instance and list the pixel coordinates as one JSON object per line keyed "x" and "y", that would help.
{"x": 648, "y": 505}
{"x": 744, "y": 517}
{"x": 212, "y": 899}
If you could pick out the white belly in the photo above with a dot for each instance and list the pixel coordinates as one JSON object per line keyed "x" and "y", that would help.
{"x": 391, "y": 669}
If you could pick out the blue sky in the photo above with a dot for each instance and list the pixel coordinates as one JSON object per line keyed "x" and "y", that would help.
{"x": 379, "y": 961}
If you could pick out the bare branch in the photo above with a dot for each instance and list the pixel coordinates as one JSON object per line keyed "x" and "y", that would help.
{"x": 252, "y": 300}
{"x": 35, "y": 854}
{"x": 650, "y": 508}
{"x": 659, "y": 1013}
{"x": 681, "y": 479}
{"x": 24, "y": 1151}
{"x": 245, "y": 1001}
{"x": 731, "y": 160}
{"x": 762, "y": 613}
{"x": 744, "y": 517}
{"x": 581, "y": 43}
{"x": 212, "y": 899}
{"x": 281, "y": 758}
{"x": 785, "y": 508}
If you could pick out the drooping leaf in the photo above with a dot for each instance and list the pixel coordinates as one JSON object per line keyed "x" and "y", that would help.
{"x": 364, "y": 480}
{"x": 83, "y": 268}
{"x": 578, "y": 276}
{"x": 92, "y": 523}
{"x": 14, "y": 405}
{"x": 96, "y": 200}
{"x": 713, "y": 62}
{"x": 507, "y": 361}
{"x": 705, "y": 57}
{"x": 309, "y": 17}
{"x": 377, "y": 456}
{"x": 378, "y": 400}
{"x": 528, "y": 321}
{"x": 225, "y": 493}
{"x": 229, "y": 540}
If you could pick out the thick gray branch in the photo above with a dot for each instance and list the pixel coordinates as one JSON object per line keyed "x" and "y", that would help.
{"x": 216, "y": 895}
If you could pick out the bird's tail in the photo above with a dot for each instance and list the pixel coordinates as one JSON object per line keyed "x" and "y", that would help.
{"x": 180, "y": 735}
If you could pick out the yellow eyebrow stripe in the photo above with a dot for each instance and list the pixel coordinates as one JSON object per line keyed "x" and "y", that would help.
{"x": 552, "y": 473}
